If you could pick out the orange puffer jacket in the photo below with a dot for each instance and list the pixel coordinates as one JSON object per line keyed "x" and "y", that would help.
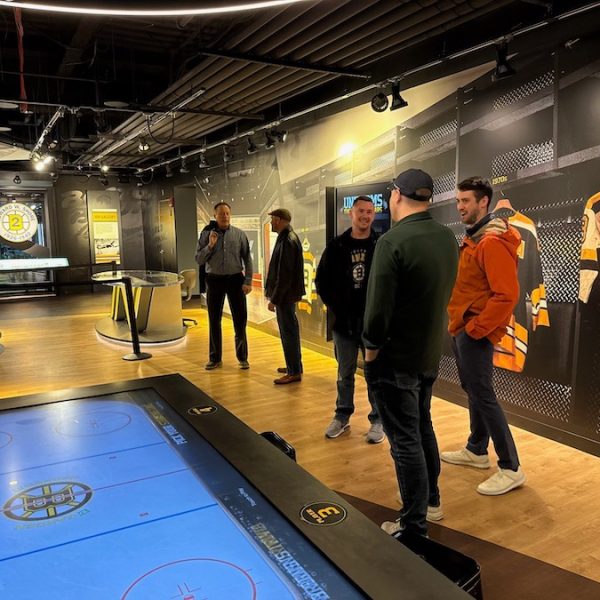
{"x": 486, "y": 289}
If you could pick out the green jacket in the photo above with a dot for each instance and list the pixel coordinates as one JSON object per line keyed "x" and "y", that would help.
{"x": 411, "y": 280}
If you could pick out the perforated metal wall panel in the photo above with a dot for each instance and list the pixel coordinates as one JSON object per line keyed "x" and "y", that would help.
{"x": 523, "y": 91}
{"x": 448, "y": 370}
{"x": 537, "y": 395}
{"x": 438, "y": 133}
{"x": 385, "y": 161}
{"x": 560, "y": 241}
{"x": 444, "y": 183}
{"x": 543, "y": 397}
{"x": 522, "y": 158}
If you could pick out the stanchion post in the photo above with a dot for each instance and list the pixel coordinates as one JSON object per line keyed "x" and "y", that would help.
{"x": 135, "y": 338}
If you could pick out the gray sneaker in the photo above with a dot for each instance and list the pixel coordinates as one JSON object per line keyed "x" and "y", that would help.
{"x": 375, "y": 434}
{"x": 336, "y": 428}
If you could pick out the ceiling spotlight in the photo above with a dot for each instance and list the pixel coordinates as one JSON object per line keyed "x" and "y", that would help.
{"x": 397, "y": 100}
{"x": 281, "y": 136}
{"x": 39, "y": 165}
{"x": 183, "y": 168}
{"x": 168, "y": 171}
{"x": 203, "y": 164}
{"x": 270, "y": 141}
{"x": 5, "y": 128}
{"x": 17, "y": 179}
{"x": 105, "y": 168}
{"x": 503, "y": 69}
{"x": 143, "y": 145}
{"x": 379, "y": 102}
{"x": 251, "y": 149}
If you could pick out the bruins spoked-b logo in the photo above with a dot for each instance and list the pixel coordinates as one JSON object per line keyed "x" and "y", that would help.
{"x": 323, "y": 513}
{"x": 47, "y": 501}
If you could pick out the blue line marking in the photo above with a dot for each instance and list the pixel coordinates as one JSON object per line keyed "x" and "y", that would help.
{"x": 89, "y": 537}
{"x": 82, "y": 458}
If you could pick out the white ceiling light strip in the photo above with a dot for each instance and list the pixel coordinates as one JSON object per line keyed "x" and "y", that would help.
{"x": 97, "y": 11}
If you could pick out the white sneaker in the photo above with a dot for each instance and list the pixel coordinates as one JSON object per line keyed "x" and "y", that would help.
{"x": 467, "y": 458}
{"x": 501, "y": 482}
{"x": 392, "y": 527}
{"x": 336, "y": 428}
{"x": 375, "y": 434}
{"x": 434, "y": 513}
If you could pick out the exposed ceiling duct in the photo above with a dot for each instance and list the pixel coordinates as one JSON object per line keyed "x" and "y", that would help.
{"x": 189, "y": 84}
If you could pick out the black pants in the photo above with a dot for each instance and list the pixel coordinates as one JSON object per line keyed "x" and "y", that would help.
{"x": 217, "y": 287}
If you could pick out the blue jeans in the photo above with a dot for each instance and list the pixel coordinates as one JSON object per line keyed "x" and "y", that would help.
{"x": 289, "y": 331}
{"x": 404, "y": 404}
{"x": 346, "y": 354}
{"x": 474, "y": 359}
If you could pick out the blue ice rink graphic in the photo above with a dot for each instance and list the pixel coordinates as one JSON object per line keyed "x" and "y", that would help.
{"x": 104, "y": 499}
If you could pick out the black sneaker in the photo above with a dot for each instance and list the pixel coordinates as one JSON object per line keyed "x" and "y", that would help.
{"x": 244, "y": 364}
{"x": 209, "y": 366}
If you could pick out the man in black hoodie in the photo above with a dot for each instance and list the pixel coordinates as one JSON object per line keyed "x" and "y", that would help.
{"x": 341, "y": 282}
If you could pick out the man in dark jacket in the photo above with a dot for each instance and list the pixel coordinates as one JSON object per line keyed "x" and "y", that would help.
{"x": 411, "y": 280}
{"x": 283, "y": 288}
{"x": 341, "y": 282}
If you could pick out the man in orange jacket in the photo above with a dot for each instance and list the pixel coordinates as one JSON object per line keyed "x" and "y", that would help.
{"x": 483, "y": 299}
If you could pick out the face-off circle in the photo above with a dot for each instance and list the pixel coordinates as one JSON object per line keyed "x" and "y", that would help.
{"x": 93, "y": 423}
{"x": 47, "y": 501}
{"x": 5, "y": 439}
{"x": 193, "y": 579}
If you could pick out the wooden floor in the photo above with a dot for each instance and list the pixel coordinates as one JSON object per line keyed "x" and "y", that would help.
{"x": 51, "y": 344}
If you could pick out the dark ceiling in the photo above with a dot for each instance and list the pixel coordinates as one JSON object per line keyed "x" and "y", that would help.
{"x": 228, "y": 74}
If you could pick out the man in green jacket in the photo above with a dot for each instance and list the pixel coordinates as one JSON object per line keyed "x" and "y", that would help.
{"x": 411, "y": 280}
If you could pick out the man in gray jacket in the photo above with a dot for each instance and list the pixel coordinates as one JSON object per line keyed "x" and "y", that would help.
{"x": 283, "y": 288}
{"x": 225, "y": 252}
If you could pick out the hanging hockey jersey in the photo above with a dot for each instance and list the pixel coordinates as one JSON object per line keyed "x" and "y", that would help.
{"x": 510, "y": 353}
{"x": 589, "y": 258}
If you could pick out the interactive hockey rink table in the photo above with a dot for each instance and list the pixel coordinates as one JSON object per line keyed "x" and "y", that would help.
{"x": 150, "y": 489}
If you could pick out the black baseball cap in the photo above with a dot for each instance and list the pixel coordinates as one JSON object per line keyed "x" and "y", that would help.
{"x": 282, "y": 213}
{"x": 414, "y": 184}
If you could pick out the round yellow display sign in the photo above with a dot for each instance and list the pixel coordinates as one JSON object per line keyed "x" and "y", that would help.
{"x": 18, "y": 222}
